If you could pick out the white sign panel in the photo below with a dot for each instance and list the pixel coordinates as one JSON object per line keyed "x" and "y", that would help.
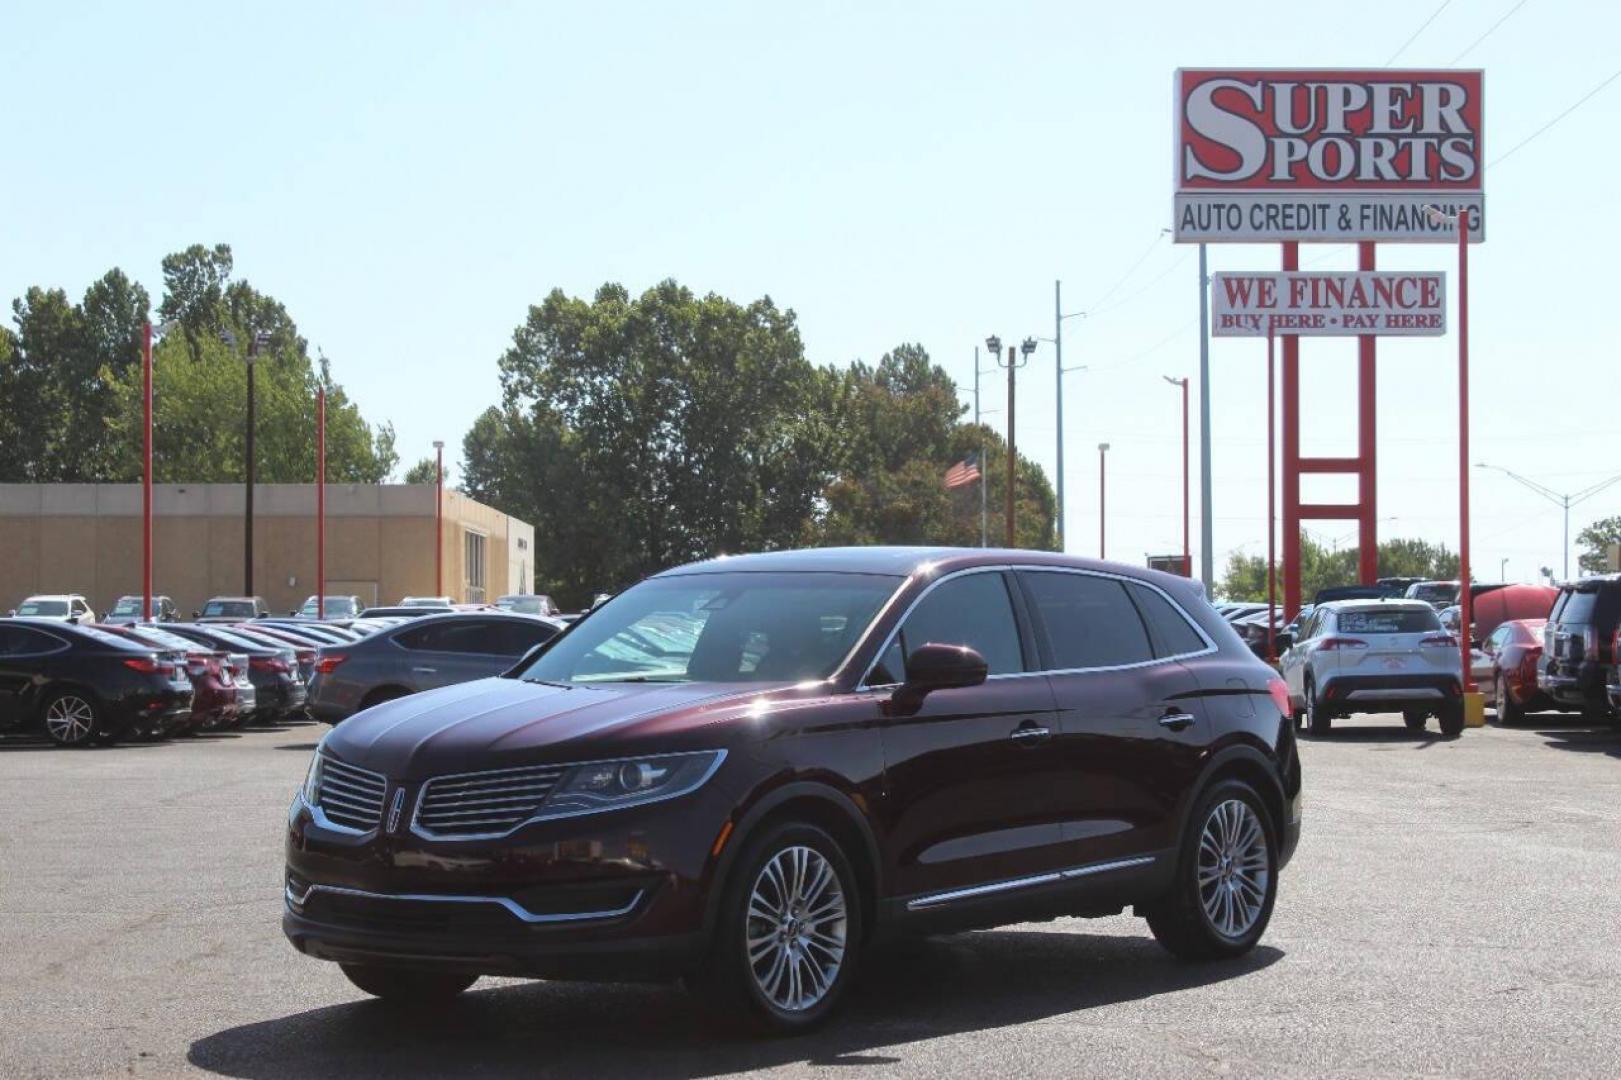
{"x": 1330, "y": 304}
{"x": 1265, "y": 218}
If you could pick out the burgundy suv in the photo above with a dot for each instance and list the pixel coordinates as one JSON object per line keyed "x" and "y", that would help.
{"x": 742, "y": 771}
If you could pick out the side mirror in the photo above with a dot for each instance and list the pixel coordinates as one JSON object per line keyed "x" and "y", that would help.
{"x": 934, "y": 667}
{"x": 196, "y": 614}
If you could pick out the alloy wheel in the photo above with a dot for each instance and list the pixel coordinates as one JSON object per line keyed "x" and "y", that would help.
{"x": 797, "y": 928}
{"x": 1234, "y": 868}
{"x": 70, "y": 719}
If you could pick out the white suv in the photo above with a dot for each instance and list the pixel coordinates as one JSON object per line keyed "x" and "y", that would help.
{"x": 1365, "y": 656}
{"x": 61, "y": 607}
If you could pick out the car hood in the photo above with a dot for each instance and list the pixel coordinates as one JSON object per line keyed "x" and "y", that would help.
{"x": 500, "y": 723}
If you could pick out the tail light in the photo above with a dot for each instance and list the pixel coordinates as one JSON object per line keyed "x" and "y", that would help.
{"x": 1333, "y": 643}
{"x": 1438, "y": 641}
{"x": 306, "y": 656}
{"x": 328, "y": 662}
{"x": 146, "y": 665}
{"x": 270, "y": 663}
{"x": 1280, "y": 695}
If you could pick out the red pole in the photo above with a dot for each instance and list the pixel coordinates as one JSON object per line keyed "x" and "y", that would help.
{"x": 1465, "y": 601}
{"x": 1290, "y": 417}
{"x": 1367, "y": 439}
{"x": 1271, "y": 502}
{"x": 146, "y": 474}
{"x": 439, "y": 521}
{"x": 320, "y": 503}
{"x": 1187, "y": 543}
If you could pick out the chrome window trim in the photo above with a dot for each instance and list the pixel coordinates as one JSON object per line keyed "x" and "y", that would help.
{"x": 1210, "y": 645}
{"x": 1011, "y": 884}
{"x": 565, "y": 767}
{"x": 296, "y": 901}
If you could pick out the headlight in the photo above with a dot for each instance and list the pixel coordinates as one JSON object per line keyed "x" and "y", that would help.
{"x": 609, "y": 785}
{"x": 312, "y": 779}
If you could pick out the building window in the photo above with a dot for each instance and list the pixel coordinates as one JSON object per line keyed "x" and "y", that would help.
{"x": 474, "y": 562}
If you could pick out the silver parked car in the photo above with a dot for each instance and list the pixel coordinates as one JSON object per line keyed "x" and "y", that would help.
{"x": 433, "y": 651}
{"x": 1365, "y": 656}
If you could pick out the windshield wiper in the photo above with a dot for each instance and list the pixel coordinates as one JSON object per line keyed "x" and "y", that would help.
{"x": 650, "y": 679}
{"x": 548, "y": 682}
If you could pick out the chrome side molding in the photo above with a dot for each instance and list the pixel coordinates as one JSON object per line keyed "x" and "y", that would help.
{"x": 1053, "y": 877}
{"x": 517, "y": 910}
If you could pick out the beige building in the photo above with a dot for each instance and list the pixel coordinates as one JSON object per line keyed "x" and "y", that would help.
{"x": 86, "y": 538}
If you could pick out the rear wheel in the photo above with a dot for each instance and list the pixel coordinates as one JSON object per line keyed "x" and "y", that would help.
{"x": 72, "y": 718}
{"x": 1415, "y": 719}
{"x": 1226, "y": 879}
{"x": 1508, "y": 712}
{"x": 407, "y": 986}
{"x": 1451, "y": 717}
{"x": 1318, "y": 722}
{"x": 380, "y": 695}
{"x": 788, "y": 935}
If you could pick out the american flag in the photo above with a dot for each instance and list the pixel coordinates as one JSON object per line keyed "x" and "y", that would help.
{"x": 963, "y": 473}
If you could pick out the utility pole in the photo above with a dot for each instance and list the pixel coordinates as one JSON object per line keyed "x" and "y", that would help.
{"x": 1103, "y": 456}
{"x": 984, "y": 466}
{"x": 320, "y": 503}
{"x": 1013, "y": 363}
{"x": 1187, "y": 555}
{"x": 1207, "y": 532}
{"x": 1562, "y": 500}
{"x": 1059, "y": 371}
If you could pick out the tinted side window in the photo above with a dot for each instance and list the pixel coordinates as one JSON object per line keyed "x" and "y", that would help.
{"x": 22, "y": 641}
{"x": 516, "y": 638}
{"x": 974, "y": 610}
{"x": 1090, "y": 621}
{"x": 473, "y": 636}
{"x": 1167, "y": 627}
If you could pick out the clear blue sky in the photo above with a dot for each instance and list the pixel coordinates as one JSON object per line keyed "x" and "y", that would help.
{"x": 408, "y": 177}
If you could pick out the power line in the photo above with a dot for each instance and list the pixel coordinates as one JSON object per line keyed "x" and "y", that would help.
{"x": 1579, "y": 103}
{"x": 1130, "y": 270}
{"x": 1124, "y": 300}
{"x": 1421, "y": 28}
{"x": 1488, "y": 33}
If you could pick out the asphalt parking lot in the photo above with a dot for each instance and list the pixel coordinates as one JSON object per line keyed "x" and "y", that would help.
{"x": 1451, "y": 911}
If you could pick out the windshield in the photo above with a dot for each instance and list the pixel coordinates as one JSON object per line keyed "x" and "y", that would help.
{"x": 335, "y": 605}
{"x": 524, "y": 605}
{"x": 130, "y": 605}
{"x": 1411, "y": 621}
{"x": 1434, "y": 593}
{"x": 233, "y": 608}
{"x": 43, "y": 608}
{"x": 727, "y": 628}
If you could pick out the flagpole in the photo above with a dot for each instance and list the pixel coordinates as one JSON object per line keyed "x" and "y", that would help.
{"x": 982, "y": 462}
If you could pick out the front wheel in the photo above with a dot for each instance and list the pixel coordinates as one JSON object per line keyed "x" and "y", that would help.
{"x": 72, "y": 719}
{"x": 1415, "y": 719}
{"x": 788, "y": 935}
{"x": 1451, "y": 717}
{"x": 407, "y": 986}
{"x": 1226, "y": 879}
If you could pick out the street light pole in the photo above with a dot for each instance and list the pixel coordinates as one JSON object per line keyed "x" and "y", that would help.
{"x": 1564, "y": 501}
{"x": 320, "y": 503}
{"x": 1103, "y": 453}
{"x": 146, "y": 473}
{"x": 984, "y": 466}
{"x": 1187, "y": 549}
{"x": 439, "y": 518}
{"x": 1059, "y": 371}
{"x": 1207, "y": 531}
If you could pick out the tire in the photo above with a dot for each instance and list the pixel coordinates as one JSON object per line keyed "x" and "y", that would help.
{"x": 1232, "y": 837}
{"x": 1508, "y": 713}
{"x": 1451, "y": 717}
{"x": 1318, "y": 722}
{"x": 758, "y": 987}
{"x": 73, "y": 718}
{"x": 407, "y": 986}
{"x": 1415, "y": 719}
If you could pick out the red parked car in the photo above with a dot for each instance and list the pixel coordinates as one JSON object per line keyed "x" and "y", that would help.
{"x": 1514, "y": 649}
{"x": 213, "y": 685}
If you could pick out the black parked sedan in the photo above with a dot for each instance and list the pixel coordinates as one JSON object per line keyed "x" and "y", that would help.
{"x": 433, "y": 651}
{"x": 82, "y": 685}
{"x": 743, "y": 771}
{"x": 273, "y": 670}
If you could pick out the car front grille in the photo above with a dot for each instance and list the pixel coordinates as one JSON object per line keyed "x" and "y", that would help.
{"x": 349, "y": 796}
{"x": 477, "y": 804}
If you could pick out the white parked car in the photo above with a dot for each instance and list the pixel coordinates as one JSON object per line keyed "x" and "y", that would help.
{"x": 1367, "y": 656}
{"x": 425, "y": 601}
{"x": 62, "y": 607}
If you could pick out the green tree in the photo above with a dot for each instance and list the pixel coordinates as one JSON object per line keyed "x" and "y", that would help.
{"x": 1595, "y": 542}
{"x": 425, "y": 471}
{"x": 1322, "y": 568}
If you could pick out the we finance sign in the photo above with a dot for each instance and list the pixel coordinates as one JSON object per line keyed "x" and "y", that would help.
{"x": 1307, "y": 304}
{"x": 1265, "y": 155}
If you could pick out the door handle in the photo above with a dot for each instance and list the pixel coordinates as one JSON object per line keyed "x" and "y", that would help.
{"x": 1176, "y": 721}
{"x": 424, "y": 671}
{"x": 1029, "y": 734}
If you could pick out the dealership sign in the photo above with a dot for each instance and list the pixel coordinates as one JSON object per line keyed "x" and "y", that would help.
{"x": 1270, "y": 155}
{"x": 1352, "y": 303}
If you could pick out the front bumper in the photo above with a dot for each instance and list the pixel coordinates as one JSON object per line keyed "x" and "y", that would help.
{"x": 621, "y": 895}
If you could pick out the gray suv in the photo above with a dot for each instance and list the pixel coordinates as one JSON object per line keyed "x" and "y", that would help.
{"x": 437, "y": 650}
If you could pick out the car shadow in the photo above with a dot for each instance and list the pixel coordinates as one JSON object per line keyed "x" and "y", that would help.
{"x": 909, "y": 992}
{"x": 1574, "y": 733}
{"x": 1417, "y": 740}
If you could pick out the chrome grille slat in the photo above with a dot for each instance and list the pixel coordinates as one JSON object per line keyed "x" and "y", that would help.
{"x": 470, "y": 804}
{"x": 350, "y": 796}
